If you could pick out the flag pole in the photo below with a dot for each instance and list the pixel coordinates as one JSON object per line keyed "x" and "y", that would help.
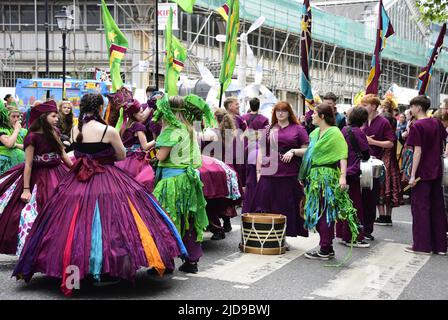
{"x": 221, "y": 92}
{"x": 200, "y": 30}
{"x": 156, "y": 36}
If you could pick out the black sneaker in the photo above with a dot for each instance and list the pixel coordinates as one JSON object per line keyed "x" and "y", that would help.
{"x": 153, "y": 271}
{"x": 318, "y": 255}
{"x": 218, "y": 236}
{"x": 369, "y": 237}
{"x": 188, "y": 267}
{"x": 227, "y": 224}
{"x": 106, "y": 280}
{"x": 381, "y": 221}
{"x": 389, "y": 220}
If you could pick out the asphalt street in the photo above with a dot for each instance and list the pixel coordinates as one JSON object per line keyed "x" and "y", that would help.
{"x": 383, "y": 271}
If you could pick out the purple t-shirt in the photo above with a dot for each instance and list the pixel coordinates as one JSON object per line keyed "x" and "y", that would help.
{"x": 40, "y": 144}
{"x": 353, "y": 162}
{"x": 291, "y": 137}
{"x": 41, "y": 147}
{"x": 381, "y": 130}
{"x": 255, "y": 121}
{"x": 239, "y": 122}
{"x": 129, "y": 138}
{"x": 429, "y": 134}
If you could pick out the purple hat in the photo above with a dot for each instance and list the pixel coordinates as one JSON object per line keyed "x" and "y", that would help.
{"x": 132, "y": 107}
{"x": 47, "y": 106}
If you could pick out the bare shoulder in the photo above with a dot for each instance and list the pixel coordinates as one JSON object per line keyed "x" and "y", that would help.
{"x": 110, "y": 134}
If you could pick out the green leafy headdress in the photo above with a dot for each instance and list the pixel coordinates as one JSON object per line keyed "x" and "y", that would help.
{"x": 194, "y": 109}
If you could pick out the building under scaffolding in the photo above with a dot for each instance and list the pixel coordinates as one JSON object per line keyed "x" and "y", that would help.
{"x": 343, "y": 41}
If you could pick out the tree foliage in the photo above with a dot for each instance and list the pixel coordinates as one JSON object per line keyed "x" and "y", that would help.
{"x": 435, "y": 11}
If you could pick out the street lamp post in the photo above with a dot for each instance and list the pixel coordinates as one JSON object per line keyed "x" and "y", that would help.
{"x": 64, "y": 21}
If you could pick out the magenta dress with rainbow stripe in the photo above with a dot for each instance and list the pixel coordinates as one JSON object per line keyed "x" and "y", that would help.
{"x": 101, "y": 221}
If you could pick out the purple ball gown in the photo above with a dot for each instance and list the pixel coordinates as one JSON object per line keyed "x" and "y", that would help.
{"x": 100, "y": 221}
{"x": 16, "y": 216}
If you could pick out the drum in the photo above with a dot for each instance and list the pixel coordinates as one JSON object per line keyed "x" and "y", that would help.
{"x": 445, "y": 172}
{"x": 371, "y": 169}
{"x": 263, "y": 233}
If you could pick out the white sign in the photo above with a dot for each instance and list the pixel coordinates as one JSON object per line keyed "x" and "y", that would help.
{"x": 164, "y": 12}
{"x": 143, "y": 66}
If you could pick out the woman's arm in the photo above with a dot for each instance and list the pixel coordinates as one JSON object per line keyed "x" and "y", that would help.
{"x": 381, "y": 144}
{"x": 163, "y": 153}
{"x": 29, "y": 155}
{"x": 117, "y": 144}
{"x": 294, "y": 152}
{"x": 66, "y": 159}
{"x": 144, "y": 142}
{"x": 10, "y": 141}
{"x": 342, "y": 177}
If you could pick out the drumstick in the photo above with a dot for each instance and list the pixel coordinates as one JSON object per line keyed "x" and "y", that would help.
{"x": 409, "y": 186}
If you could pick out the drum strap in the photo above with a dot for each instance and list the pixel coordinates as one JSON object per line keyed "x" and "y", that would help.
{"x": 354, "y": 143}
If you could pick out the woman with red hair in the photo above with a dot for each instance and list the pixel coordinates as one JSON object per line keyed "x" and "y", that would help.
{"x": 278, "y": 189}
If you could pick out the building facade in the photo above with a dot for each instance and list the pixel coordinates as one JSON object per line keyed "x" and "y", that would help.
{"x": 343, "y": 43}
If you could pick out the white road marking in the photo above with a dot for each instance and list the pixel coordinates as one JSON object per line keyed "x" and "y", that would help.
{"x": 179, "y": 278}
{"x": 8, "y": 258}
{"x": 383, "y": 274}
{"x": 404, "y": 222}
{"x": 247, "y": 268}
{"x": 241, "y": 287}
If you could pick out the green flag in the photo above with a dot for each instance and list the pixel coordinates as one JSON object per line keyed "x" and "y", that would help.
{"x": 230, "y": 49}
{"x": 176, "y": 55}
{"x": 116, "y": 45}
{"x": 186, "y": 5}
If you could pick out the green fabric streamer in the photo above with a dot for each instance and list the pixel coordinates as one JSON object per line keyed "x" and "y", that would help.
{"x": 119, "y": 121}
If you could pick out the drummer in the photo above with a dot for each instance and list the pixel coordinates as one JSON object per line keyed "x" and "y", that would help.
{"x": 380, "y": 136}
{"x": 429, "y": 224}
{"x": 358, "y": 150}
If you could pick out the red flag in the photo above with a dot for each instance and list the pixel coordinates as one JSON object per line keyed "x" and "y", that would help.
{"x": 425, "y": 74}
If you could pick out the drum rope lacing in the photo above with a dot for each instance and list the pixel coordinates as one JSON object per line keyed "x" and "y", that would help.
{"x": 279, "y": 240}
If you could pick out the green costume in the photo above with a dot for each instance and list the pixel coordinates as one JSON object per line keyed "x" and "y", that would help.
{"x": 9, "y": 157}
{"x": 178, "y": 186}
{"x": 321, "y": 174}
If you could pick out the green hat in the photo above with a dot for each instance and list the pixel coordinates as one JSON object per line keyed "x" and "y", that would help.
{"x": 194, "y": 109}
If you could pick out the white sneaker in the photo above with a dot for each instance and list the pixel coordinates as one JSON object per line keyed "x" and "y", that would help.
{"x": 411, "y": 250}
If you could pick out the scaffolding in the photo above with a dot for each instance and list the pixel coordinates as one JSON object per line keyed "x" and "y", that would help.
{"x": 341, "y": 52}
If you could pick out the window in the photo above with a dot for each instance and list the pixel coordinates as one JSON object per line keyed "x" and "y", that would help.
{"x": 94, "y": 16}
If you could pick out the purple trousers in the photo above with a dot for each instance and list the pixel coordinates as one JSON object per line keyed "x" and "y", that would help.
{"x": 326, "y": 233}
{"x": 193, "y": 247}
{"x": 251, "y": 185}
{"x": 354, "y": 191}
{"x": 370, "y": 200}
{"x": 429, "y": 223}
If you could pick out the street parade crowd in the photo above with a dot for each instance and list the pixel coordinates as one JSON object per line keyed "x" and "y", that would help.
{"x": 127, "y": 185}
